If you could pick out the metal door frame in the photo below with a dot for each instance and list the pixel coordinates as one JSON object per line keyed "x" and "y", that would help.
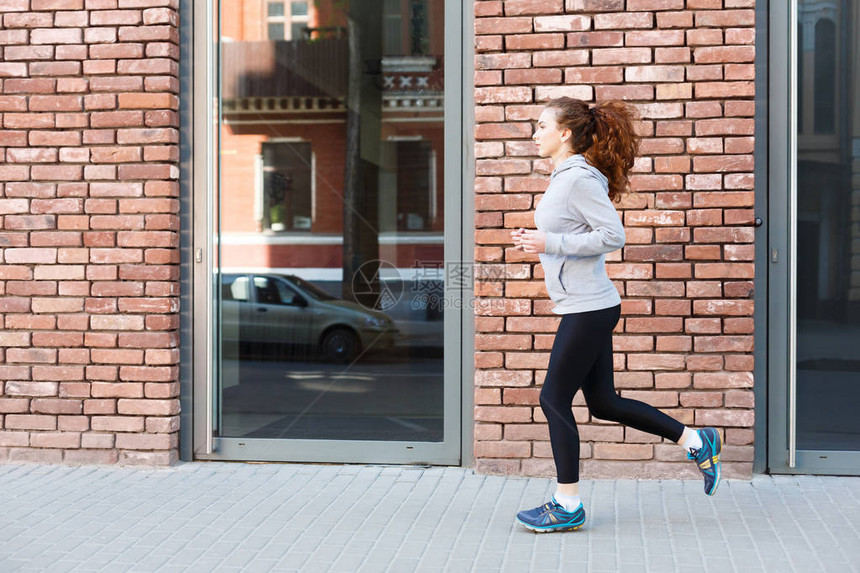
{"x": 782, "y": 454}
{"x": 199, "y": 143}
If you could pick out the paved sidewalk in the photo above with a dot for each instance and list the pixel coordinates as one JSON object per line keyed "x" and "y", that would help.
{"x": 284, "y": 517}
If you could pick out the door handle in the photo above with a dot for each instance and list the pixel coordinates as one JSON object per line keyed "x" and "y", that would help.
{"x": 262, "y": 309}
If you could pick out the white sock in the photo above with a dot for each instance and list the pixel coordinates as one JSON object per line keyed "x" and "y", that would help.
{"x": 693, "y": 442}
{"x": 568, "y": 502}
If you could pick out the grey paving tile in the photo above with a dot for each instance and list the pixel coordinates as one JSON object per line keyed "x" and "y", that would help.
{"x": 233, "y": 517}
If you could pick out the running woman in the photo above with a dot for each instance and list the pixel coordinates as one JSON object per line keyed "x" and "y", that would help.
{"x": 592, "y": 149}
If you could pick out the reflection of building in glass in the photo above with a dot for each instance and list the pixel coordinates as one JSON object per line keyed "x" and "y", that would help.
{"x": 284, "y": 135}
{"x": 828, "y": 171}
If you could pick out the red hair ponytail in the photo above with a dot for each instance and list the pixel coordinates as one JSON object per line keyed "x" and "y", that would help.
{"x": 604, "y": 135}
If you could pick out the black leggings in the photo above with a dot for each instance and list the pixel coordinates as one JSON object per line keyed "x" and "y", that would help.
{"x": 581, "y": 357}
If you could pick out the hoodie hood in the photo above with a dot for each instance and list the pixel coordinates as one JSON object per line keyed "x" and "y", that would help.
{"x": 578, "y": 161}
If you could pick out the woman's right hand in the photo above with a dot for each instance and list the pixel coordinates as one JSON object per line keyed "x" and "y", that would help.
{"x": 516, "y": 236}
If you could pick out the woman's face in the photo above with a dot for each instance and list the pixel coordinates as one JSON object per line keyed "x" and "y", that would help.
{"x": 550, "y": 138}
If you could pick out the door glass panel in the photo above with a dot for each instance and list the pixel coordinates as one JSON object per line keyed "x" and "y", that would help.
{"x": 828, "y": 226}
{"x": 329, "y": 221}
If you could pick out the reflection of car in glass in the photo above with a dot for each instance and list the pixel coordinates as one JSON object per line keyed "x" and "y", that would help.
{"x": 289, "y": 311}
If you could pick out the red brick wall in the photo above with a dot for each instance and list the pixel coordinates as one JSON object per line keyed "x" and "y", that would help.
{"x": 685, "y": 340}
{"x": 88, "y": 231}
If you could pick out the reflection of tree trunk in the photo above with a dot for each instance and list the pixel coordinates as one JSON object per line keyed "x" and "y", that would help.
{"x": 360, "y": 210}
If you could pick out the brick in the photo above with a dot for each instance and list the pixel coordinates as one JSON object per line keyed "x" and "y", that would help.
{"x": 145, "y": 441}
{"x": 655, "y": 362}
{"x": 720, "y": 380}
{"x": 724, "y": 344}
{"x": 30, "y": 422}
{"x": 594, "y": 5}
{"x": 559, "y": 58}
{"x": 507, "y": 414}
{"x": 513, "y": 25}
{"x": 56, "y": 406}
{"x": 654, "y": 325}
{"x": 725, "y": 18}
{"x": 724, "y": 270}
{"x": 624, "y": 92}
{"x": 533, "y": 432}
{"x": 654, "y": 74}
{"x": 533, "y": 76}
{"x": 594, "y": 39}
{"x": 717, "y": 417}
{"x": 488, "y": 43}
{"x": 655, "y": 38}
{"x": 623, "y": 451}
{"x": 497, "y": 466}
{"x": 623, "y": 21}
{"x": 502, "y": 131}
{"x": 653, "y": 218}
{"x": 644, "y": 5}
{"x": 488, "y": 8}
{"x": 505, "y": 342}
{"x": 594, "y": 74}
{"x": 544, "y": 93}
{"x": 567, "y": 23}
{"x": 725, "y": 127}
{"x": 672, "y": 55}
{"x": 31, "y": 355}
{"x": 503, "y": 449}
{"x": 502, "y": 61}
{"x": 503, "y": 378}
{"x": 148, "y": 407}
{"x": 673, "y": 379}
{"x": 118, "y": 424}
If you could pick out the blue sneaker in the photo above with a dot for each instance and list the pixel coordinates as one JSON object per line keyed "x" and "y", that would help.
{"x": 552, "y": 517}
{"x": 708, "y": 458}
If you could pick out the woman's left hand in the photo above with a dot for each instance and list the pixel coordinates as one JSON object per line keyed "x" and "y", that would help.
{"x": 533, "y": 241}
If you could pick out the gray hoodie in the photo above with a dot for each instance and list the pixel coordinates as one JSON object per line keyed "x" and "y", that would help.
{"x": 581, "y": 226}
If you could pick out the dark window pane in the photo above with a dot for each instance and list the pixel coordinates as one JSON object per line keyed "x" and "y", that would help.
{"x": 276, "y": 9}
{"x": 828, "y": 235}
{"x": 392, "y": 41}
{"x": 276, "y": 31}
{"x": 310, "y": 185}
{"x": 413, "y": 185}
{"x": 297, "y": 29}
{"x": 287, "y": 185}
{"x": 825, "y": 76}
{"x": 273, "y": 291}
{"x": 418, "y": 29}
{"x": 300, "y": 9}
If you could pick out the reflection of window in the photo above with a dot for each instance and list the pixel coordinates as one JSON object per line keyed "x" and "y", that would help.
{"x": 418, "y": 30}
{"x": 416, "y": 185}
{"x": 825, "y": 76}
{"x": 416, "y": 34}
{"x": 271, "y": 291}
{"x": 235, "y": 288}
{"x": 393, "y": 29}
{"x": 287, "y": 186}
{"x": 287, "y": 19}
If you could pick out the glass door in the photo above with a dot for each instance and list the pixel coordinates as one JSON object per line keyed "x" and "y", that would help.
{"x": 333, "y": 220}
{"x": 815, "y": 249}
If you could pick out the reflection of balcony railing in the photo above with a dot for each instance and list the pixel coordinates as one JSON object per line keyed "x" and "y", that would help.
{"x": 281, "y": 105}
{"x": 277, "y": 77}
{"x": 283, "y": 69}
